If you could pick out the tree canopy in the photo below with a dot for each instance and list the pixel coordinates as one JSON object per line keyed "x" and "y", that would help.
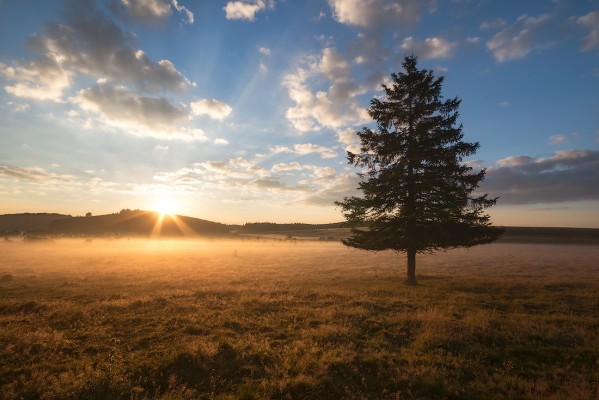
{"x": 418, "y": 193}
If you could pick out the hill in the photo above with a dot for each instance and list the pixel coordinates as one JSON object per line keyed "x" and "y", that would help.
{"x": 137, "y": 222}
{"x": 28, "y": 222}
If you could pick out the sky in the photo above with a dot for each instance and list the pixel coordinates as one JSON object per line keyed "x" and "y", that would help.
{"x": 242, "y": 111}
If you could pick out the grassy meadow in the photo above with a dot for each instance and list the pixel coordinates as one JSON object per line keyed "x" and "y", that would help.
{"x": 274, "y": 319}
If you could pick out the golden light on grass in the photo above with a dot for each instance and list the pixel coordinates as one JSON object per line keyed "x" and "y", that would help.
{"x": 268, "y": 318}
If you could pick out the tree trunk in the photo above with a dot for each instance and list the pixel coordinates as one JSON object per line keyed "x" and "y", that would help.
{"x": 411, "y": 278}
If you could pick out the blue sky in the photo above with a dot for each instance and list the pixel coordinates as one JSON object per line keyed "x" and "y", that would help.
{"x": 242, "y": 111}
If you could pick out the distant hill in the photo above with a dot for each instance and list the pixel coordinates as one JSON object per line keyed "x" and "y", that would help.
{"x": 28, "y": 222}
{"x": 137, "y": 222}
{"x": 520, "y": 234}
{"x": 269, "y": 227}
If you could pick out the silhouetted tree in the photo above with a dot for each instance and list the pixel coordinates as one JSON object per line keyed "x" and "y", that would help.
{"x": 417, "y": 192}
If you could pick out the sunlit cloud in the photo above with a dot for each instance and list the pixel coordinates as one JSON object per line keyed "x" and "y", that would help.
{"x": 591, "y": 22}
{"x": 303, "y": 149}
{"x": 82, "y": 46}
{"x": 432, "y": 47}
{"x": 41, "y": 79}
{"x": 151, "y": 11}
{"x": 214, "y": 109}
{"x": 378, "y": 14}
{"x": 337, "y": 106}
{"x": 517, "y": 40}
{"x": 292, "y": 166}
{"x": 309, "y": 148}
{"x": 246, "y": 9}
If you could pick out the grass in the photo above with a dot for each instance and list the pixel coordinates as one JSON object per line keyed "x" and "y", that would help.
{"x": 276, "y": 319}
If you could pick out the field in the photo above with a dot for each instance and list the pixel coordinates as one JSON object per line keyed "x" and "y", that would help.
{"x": 280, "y": 319}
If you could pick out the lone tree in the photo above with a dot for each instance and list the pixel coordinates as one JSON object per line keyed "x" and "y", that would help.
{"x": 418, "y": 194}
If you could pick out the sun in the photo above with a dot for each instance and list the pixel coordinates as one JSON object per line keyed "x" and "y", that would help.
{"x": 164, "y": 206}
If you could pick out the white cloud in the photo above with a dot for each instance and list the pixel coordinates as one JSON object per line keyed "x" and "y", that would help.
{"x": 184, "y": 10}
{"x": 280, "y": 149}
{"x": 41, "y": 79}
{"x": 591, "y": 21}
{"x": 503, "y": 103}
{"x": 151, "y": 11}
{"x": 292, "y": 166}
{"x": 246, "y": 9}
{"x": 309, "y": 148}
{"x": 333, "y": 108}
{"x": 214, "y": 109}
{"x": 82, "y": 46}
{"x": 221, "y": 142}
{"x": 518, "y": 39}
{"x": 377, "y": 14}
{"x": 161, "y": 149}
{"x": 303, "y": 149}
{"x": 432, "y": 47}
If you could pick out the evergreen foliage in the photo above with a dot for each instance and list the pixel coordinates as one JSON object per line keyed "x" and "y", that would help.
{"x": 418, "y": 194}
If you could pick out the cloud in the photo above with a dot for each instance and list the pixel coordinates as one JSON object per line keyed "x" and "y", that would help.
{"x": 34, "y": 174}
{"x": 333, "y": 188}
{"x": 265, "y": 51}
{"x": 221, "y": 142}
{"x": 18, "y": 107}
{"x": 269, "y": 183}
{"x": 303, "y": 149}
{"x": 118, "y": 104}
{"x": 518, "y": 39}
{"x": 161, "y": 149}
{"x": 558, "y": 139}
{"x": 309, "y": 148}
{"x": 377, "y": 14}
{"x": 280, "y": 149}
{"x": 214, "y": 109}
{"x": 41, "y": 79}
{"x": 82, "y": 46}
{"x": 493, "y": 24}
{"x": 432, "y": 47}
{"x": 150, "y": 11}
{"x": 334, "y": 108}
{"x": 503, "y": 103}
{"x": 245, "y": 9}
{"x": 292, "y": 166}
{"x": 568, "y": 175}
{"x": 590, "y": 21}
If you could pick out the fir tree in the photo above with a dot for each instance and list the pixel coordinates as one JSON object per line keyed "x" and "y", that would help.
{"x": 418, "y": 195}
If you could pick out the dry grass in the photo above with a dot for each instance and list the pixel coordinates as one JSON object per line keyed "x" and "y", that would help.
{"x": 270, "y": 319}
